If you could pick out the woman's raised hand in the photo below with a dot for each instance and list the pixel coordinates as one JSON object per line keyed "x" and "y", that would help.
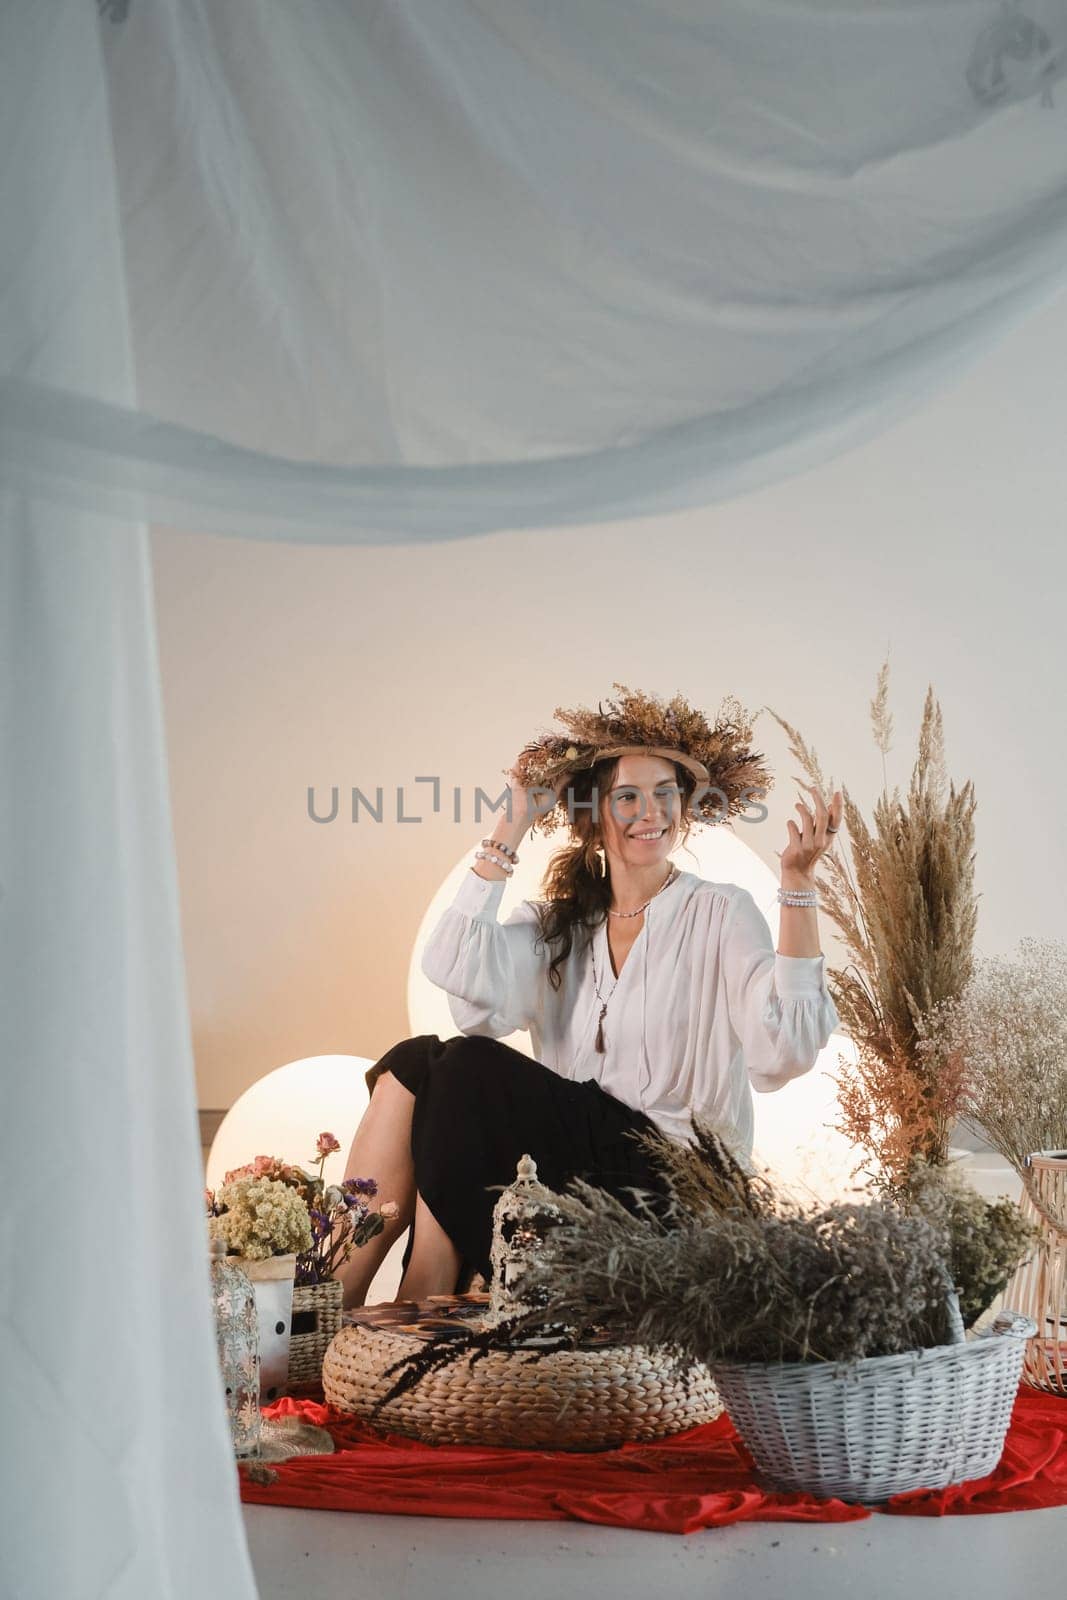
{"x": 526, "y": 804}
{"x": 813, "y": 838}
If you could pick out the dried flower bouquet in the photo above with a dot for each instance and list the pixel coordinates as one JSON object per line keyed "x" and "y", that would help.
{"x": 271, "y": 1207}
{"x": 735, "y": 1270}
{"x": 907, "y": 912}
{"x": 743, "y": 1272}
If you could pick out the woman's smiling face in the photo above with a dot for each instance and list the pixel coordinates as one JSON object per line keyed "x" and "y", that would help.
{"x": 641, "y": 811}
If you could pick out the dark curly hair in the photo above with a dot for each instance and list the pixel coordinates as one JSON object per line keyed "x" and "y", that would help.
{"x": 577, "y": 886}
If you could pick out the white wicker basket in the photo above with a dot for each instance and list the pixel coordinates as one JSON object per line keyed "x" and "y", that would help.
{"x": 885, "y": 1425}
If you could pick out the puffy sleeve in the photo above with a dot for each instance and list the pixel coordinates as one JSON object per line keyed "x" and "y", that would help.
{"x": 493, "y": 972}
{"x": 780, "y": 1007}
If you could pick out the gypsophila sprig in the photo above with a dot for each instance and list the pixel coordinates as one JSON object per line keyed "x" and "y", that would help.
{"x": 1007, "y": 1034}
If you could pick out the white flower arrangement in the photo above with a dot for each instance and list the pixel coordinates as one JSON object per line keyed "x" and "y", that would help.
{"x": 261, "y": 1217}
{"x": 322, "y": 1223}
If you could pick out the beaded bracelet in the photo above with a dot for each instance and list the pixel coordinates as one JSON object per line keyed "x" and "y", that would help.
{"x": 487, "y": 855}
{"x": 798, "y": 897}
{"x": 505, "y": 849}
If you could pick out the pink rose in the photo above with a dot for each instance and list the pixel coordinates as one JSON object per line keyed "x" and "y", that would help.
{"x": 389, "y": 1209}
{"x": 327, "y": 1144}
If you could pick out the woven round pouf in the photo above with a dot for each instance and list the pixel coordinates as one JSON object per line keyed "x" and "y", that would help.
{"x": 592, "y": 1398}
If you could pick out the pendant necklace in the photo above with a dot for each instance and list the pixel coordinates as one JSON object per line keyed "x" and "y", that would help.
{"x": 599, "y": 1043}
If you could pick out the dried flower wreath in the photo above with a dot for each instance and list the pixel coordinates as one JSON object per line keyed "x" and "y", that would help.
{"x": 729, "y": 773}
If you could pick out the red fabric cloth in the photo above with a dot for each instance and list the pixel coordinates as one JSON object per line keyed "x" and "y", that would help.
{"x": 699, "y": 1479}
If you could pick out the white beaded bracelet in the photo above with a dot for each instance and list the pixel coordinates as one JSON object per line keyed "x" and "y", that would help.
{"x": 798, "y": 897}
{"x": 487, "y": 855}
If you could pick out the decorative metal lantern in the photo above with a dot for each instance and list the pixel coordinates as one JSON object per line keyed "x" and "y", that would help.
{"x": 237, "y": 1336}
{"x": 522, "y": 1218}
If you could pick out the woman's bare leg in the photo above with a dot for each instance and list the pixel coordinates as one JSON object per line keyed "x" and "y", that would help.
{"x": 381, "y": 1149}
{"x": 435, "y": 1261}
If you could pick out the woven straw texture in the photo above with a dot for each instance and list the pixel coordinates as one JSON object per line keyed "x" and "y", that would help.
{"x": 316, "y": 1318}
{"x": 567, "y": 1400}
{"x": 1039, "y": 1288}
{"x": 888, "y": 1424}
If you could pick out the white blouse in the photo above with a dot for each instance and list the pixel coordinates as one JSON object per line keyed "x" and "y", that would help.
{"x": 703, "y": 1012}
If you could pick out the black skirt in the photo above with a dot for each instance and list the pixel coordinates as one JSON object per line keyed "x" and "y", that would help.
{"x": 480, "y": 1106}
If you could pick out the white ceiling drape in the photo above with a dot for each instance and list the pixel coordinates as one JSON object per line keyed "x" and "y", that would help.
{"x": 411, "y": 269}
{"x": 388, "y": 270}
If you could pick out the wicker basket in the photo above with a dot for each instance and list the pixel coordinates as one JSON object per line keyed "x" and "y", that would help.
{"x": 316, "y": 1318}
{"x": 593, "y": 1399}
{"x": 1039, "y": 1287}
{"x": 888, "y": 1424}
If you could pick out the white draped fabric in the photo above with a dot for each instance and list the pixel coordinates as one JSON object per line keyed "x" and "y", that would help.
{"x": 367, "y": 271}
{"x": 118, "y": 1478}
{"x": 409, "y": 269}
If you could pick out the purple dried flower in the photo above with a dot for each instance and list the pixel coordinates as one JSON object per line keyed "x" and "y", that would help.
{"x": 321, "y": 1224}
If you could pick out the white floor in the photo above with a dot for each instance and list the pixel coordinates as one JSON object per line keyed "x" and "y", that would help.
{"x": 336, "y": 1555}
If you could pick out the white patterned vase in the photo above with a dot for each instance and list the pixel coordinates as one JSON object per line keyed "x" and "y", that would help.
{"x": 237, "y": 1341}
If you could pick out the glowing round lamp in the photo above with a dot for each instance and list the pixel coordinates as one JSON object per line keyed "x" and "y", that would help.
{"x": 283, "y": 1113}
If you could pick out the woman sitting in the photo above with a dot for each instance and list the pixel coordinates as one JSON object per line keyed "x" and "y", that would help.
{"x": 648, "y": 992}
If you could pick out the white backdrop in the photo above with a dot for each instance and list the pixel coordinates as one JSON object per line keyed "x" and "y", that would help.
{"x": 337, "y": 270}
